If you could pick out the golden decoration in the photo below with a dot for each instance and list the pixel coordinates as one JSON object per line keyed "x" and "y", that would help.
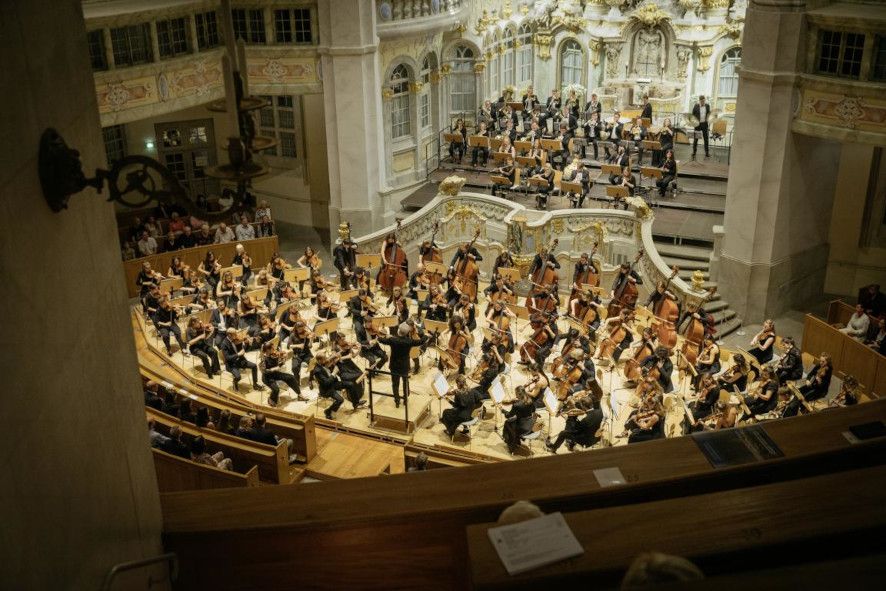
{"x": 522, "y": 263}
{"x": 506, "y": 11}
{"x": 435, "y": 76}
{"x": 697, "y": 280}
{"x": 479, "y": 67}
{"x": 387, "y": 93}
{"x": 524, "y": 9}
{"x": 558, "y": 225}
{"x": 640, "y": 207}
{"x": 704, "y": 58}
{"x": 542, "y": 42}
{"x": 716, "y": 3}
{"x": 483, "y": 22}
{"x": 445, "y": 69}
{"x": 596, "y": 47}
{"x": 732, "y": 29}
{"x": 650, "y": 15}
{"x": 460, "y": 29}
{"x": 451, "y": 185}
{"x": 344, "y": 231}
{"x": 415, "y": 87}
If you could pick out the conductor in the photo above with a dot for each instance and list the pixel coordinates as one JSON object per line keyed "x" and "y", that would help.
{"x": 400, "y": 346}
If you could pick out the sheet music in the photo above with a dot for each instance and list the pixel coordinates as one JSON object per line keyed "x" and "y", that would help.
{"x": 530, "y": 544}
{"x": 497, "y": 391}
{"x": 551, "y": 401}
{"x": 441, "y": 386}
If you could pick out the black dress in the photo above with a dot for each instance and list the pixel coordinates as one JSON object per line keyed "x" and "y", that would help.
{"x": 519, "y": 422}
{"x": 462, "y": 407}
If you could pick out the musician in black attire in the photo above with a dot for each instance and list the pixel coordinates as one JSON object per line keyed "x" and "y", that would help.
{"x": 457, "y": 149}
{"x": 646, "y": 113}
{"x": 624, "y": 271}
{"x": 167, "y": 323}
{"x": 400, "y": 346}
{"x": 480, "y": 153}
{"x": 508, "y": 171}
{"x": 790, "y": 366}
{"x": 581, "y": 431}
{"x": 542, "y": 258}
{"x": 200, "y": 344}
{"x": 623, "y": 160}
{"x": 580, "y": 175}
{"x": 519, "y": 421}
{"x": 462, "y": 251}
{"x": 464, "y": 401}
{"x": 818, "y": 380}
{"x": 547, "y": 173}
{"x": 151, "y": 303}
{"x": 565, "y": 136}
{"x": 592, "y": 133}
{"x": 146, "y": 279}
{"x": 662, "y": 361}
{"x": 235, "y": 360}
{"x": 345, "y": 260}
{"x": 329, "y": 384}
{"x": 359, "y": 312}
{"x": 348, "y": 374}
{"x": 370, "y": 350}
{"x": 766, "y": 397}
{"x": 272, "y": 372}
{"x": 669, "y": 173}
{"x": 701, "y": 111}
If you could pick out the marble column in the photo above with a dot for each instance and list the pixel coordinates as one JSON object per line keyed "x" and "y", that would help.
{"x": 781, "y": 184}
{"x": 352, "y": 108}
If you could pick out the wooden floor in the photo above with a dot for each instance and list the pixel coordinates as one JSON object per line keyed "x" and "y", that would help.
{"x": 341, "y": 455}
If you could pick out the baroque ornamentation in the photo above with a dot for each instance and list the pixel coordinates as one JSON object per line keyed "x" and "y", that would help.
{"x": 542, "y": 43}
{"x": 596, "y": 47}
{"x": 415, "y": 87}
{"x": 640, "y": 208}
{"x": 704, "y": 58}
{"x": 451, "y": 185}
{"x": 613, "y": 51}
{"x": 650, "y": 15}
{"x": 387, "y": 93}
{"x": 479, "y": 67}
{"x": 731, "y": 29}
{"x": 683, "y": 55}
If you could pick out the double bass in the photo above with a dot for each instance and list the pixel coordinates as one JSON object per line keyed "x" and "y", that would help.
{"x": 694, "y": 334}
{"x": 545, "y": 276}
{"x": 467, "y": 270}
{"x": 393, "y": 272}
{"x": 432, "y": 254}
{"x": 626, "y": 296}
{"x": 588, "y": 277}
{"x": 662, "y": 288}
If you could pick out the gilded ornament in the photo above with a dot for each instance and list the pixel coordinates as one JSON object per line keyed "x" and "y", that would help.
{"x": 596, "y": 47}
{"x": 558, "y": 226}
{"x": 650, "y": 15}
{"x": 415, "y": 87}
{"x": 732, "y": 29}
{"x": 704, "y": 58}
{"x": 697, "y": 280}
{"x": 506, "y": 10}
{"x": 479, "y": 67}
{"x": 641, "y": 209}
{"x": 542, "y": 42}
{"x": 387, "y": 93}
{"x": 451, "y": 185}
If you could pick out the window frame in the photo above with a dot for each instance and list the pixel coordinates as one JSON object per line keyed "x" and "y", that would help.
{"x": 125, "y": 36}
{"x": 177, "y": 33}
{"x": 524, "y": 55}
{"x": 114, "y": 140}
{"x": 278, "y": 129}
{"x": 208, "y": 35}
{"x": 462, "y": 69}
{"x": 839, "y": 60}
{"x": 725, "y": 61}
{"x": 401, "y": 123}
{"x": 98, "y": 54}
{"x": 253, "y": 35}
{"x": 572, "y": 47}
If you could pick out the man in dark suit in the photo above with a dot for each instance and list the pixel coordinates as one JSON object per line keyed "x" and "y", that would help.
{"x": 235, "y": 360}
{"x": 345, "y": 260}
{"x": 400, "y": 346}
{"x": 647, "y": 108}
{"x": 328, "y": 382}
{"x": 701, "y": 111}
{"x": 173, "y": 445}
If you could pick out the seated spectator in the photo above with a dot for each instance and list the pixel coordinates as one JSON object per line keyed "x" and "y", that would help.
{"x": 170, "y": 406}
{"x": 204, "y": 236}
{"x": 186, "y": 239}
{"x": 174, "y": 445}
{"x": 171, "y": 242}
{"x": 152, "y": 227}
{"x": 186, "y": 411}
{"x": 152, "y": 395}
{"x": 128, "y": 250}
{"x": 136, "y": 229}
{"x": 262, "y": 434}
{"x": 263, "y": 215}
{"x": 202, "y": 418}
{"x": 201, "y": 456}
{"x": 243, "y": 429}
{"x": 872, "y": 299}
{"x": 176, "y": 224}
{"x": 224, "y": 234}
{"x": 878, "y": 340}
{"x": 225, "y": 424}
{"x": 245, "y": 231}
{"x": 156, "y": 438}
{"x": 858, "y": 324}
{"x": 147, "y": 245}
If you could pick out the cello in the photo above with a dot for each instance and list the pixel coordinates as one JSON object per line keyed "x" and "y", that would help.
{"x": 626, "y": 296}
{"x": 432, "y": 254}
{"x": 662, "y": 288}
{"x": 694, "y": 334}
{"x": 665, "y": 328}
{"x": 467, "y": 270}
{"x": 393, "y": 270}
{"x": 540, "y": 337}
{"x": 545, "y": 275}
{"x": 632, "y": 370}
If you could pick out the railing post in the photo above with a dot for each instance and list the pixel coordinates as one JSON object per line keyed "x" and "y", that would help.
{"x": 714, "y": 266}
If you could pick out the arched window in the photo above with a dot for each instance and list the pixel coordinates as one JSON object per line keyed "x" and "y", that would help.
{"x": 494, "y": 72}
{"x": 728, "y": 86}
{"x": 570, "y": 63}
{"x": 508, "y": 58}
{"x": 424, "y": 99}
{"x": 400, "y": 102}
{"x": 524, "y": 54}
{"x": 463, "y": 90}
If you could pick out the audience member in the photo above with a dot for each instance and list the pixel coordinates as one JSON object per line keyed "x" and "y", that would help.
{"x": 152, "y": 227}
{"x": 245, "y": 231}
{"x": 858, "y": 324}
{"x": 174, "y": 445}
{"x": 146, "y": 244}
{"x": 223, "y": 234}
{"x": 203, "y": 236}
{"x": 156, "y": 438}
{"x": 201, "y": 456}
{"x": 263, "y": 215}
{"x": 186, "y": 239}
{"x": 176, "y": 224}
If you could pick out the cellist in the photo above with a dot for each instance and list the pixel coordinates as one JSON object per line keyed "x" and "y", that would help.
{"x": 661, "y": 363}
{"x": 464, "y": 267}
{"x": 587, "y": 272}
{"x": 623, "y": 277}
{"x": 394, "y": 268}
{"x": 539, "y": 274}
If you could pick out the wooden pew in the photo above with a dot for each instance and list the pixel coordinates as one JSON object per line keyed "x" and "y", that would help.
{"x": 177, "y": 474}
{"x": 272, "y": 461}
{"x": 300, "y": 430}
{"x": 414, "y": 523}
{"x": 848, "y": 355}
{"x": 730, "y": 531}
{"x": 259, "y": 249}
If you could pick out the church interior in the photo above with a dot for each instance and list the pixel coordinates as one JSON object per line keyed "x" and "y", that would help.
{"x": 444, "y": 294}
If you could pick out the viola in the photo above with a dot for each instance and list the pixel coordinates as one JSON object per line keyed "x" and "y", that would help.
{"x": 467, "y": 270}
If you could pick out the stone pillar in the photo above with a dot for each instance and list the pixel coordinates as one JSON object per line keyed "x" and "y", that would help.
{"x": 781, "y": 184}
{"x": 352, "y": 108}
{"x": 714, "y": 259}
{"x": 78, "y": 475}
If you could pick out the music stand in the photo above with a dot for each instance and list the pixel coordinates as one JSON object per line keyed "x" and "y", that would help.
{"x": 369, "y": 261}
{"x": 497, "y": 393}
{"x": 170, "y": 285}
{"x": 551, "y": 145}
{"x": 519, "y": 311}
{"x": 525, "y": 161}
{"x": 501, "y": 156}
{"x": 454, "y": 138}
{"x": 522, "y": 146}
{"x": 300, "y": 274}
{"x": 435, "y": 268}
{"x": 539, "y": 183}
{"x": 437, "y": 327}
{"x": 610, "y": 169}
{"x": 326, "y": 327}
{"x": 494, "y": 143}
{"x": 511, "y": 273}
{"x": 570, "y": 187}
{"x": 617, "y": 192}
{"x": 480, "y": 141}
{"x": 516, "y": 106}
{"x": 574, "y": 323}
{"x": 377, "y": 322}
{"x": 440, "y": 386}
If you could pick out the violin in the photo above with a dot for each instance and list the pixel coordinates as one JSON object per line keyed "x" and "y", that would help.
{"x": 626, "y": 296}
{"x": 314, "y": 262}
{"x": 393, "y": 272}
{"x": 368, "y": 306}
{"x": 467, "y": 270}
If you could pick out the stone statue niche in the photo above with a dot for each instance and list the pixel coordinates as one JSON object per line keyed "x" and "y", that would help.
{"x": 649, "y": 53}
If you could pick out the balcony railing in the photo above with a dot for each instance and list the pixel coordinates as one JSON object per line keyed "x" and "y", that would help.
{"x": 415, "y": 15}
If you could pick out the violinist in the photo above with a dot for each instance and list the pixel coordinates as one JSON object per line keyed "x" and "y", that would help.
{"x": 271, "y": 364}
{"x": 300, "y": 341}
{"x": 220, "y": 318}
{"x": 647, "y": 424}
{"x": 234, "y": 353}
{"x": 325, "y": 308}
{"x": 436, "y": 305}
{"x": 464, "y": 402}
{"x": 763, "y": 394}
{"x": 147, "y": 278}
{"x": 668, "y": 173}
{"x": 328, "y": 382}
{"x": 249, "y": 312}
{"x": 708, "y": 362}
{"x": 176, "y": 267}
{"x": 345, "y": 260}
{"x": 818, "y": 379}
{"x": 728, "y": 411}
{"x": 309, "y": 260}
{"x": 203, "y": 301}
{"x": 708, "y": 395}
{"x": 660, "y": 363}
{"x": 166, "y": 322}
{"x": 361, "y": 280}
{"x": 519, "y": 420}
{"x": 480, "y": 153}
{"x": 319, "y": 283}
{"x": 360, "y": 308}
{"x": 190, "y": 281}
{"x": 848, "y": 395}
{"x": 210, "y": 268}
{"x": 537, "y": 384}
{"x": 370, "y": 350}
{"x": 200, "y": 338}
{"x": 244, "y": 261}
{"x": 420, "y": 280}
{"x": 736, "y": 376}
{"x": 578, "y": 431}
{"x": 266, "y": 330}
{"x": 398, "y": 305}
{"x": 277, "y": 267}
{"x": 348, "y": 373}
{"x": 225, "y": 289}
{"x": 790, "y": 366}
{"x": 288, "y": 321}
{"x": 762, "y": 343}
{"x": 401, "y": 346}
{"x": 466, "y": 309}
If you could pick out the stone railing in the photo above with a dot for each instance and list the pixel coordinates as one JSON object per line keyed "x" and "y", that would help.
{"x": 406, "y": 17}
{"x": 503, "y": 224}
